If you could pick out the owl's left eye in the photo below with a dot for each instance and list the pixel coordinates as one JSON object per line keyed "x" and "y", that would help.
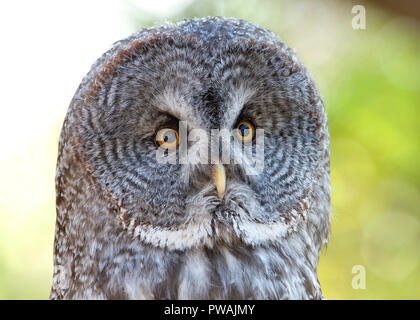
{"x": 167, "y": 138}
{"x": 245, "y": 131}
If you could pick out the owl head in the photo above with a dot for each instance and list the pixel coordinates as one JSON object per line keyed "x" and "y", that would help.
{"x": 197, "y": 135}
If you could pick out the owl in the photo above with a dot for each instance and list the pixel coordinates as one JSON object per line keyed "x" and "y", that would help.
{"x": 131, "y": 225}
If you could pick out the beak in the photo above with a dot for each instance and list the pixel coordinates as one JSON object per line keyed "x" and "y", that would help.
{"x": 219, "y": 178}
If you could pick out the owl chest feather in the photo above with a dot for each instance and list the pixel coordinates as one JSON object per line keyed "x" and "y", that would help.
{"x": 221, "y": 272}
{"x": 229, "y": 273}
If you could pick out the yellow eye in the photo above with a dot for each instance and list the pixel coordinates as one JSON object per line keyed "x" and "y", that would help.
{"x": 167, "y": 138}
{"x": 245, "y": 131}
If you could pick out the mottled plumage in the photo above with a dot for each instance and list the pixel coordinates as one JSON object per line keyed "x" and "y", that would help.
{"x": 130, "y": 227}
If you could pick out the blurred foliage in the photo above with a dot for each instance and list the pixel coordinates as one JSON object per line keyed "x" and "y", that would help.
{"x": 370, "y": 83}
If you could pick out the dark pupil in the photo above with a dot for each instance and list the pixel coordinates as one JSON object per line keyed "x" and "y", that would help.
{"x": 169, "y": 137}
{"x": 244, "y": 130}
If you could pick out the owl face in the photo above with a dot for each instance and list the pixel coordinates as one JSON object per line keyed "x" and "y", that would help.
{"x": 193, "y": 163}
{"x": 159, "y": 82}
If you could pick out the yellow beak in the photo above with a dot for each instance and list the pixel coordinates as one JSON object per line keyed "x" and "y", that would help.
{"x": 219, "y": 177}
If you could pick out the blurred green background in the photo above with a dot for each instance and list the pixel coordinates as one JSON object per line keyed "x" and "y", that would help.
{"x": 370, "y": 83}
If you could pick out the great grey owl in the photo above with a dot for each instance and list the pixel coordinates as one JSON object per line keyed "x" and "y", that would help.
{"x": 130, "y": 226}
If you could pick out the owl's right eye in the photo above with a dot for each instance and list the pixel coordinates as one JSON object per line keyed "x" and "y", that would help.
{"x": 245, "y": 131}
{"x": 167, "y": 138}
